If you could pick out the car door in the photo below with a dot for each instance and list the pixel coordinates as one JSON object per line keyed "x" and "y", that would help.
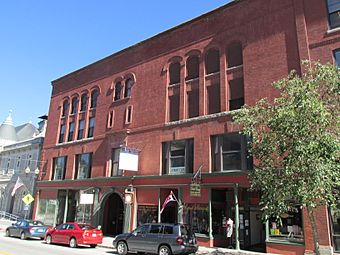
{"x": 14, "y": 229}
{"x": 153, "y": 238}
{"x": 57, "y": 235}
{"x": 66, "y": 233}
{"x": 136, "y": 241}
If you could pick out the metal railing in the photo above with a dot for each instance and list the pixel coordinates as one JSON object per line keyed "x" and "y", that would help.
{"x": 8, "y": 216}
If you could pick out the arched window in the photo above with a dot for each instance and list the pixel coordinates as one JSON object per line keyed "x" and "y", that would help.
{"x": 175, "y": 73}
{"x": 74, "y": 105}
{"x": 83, "y": 103}
{"x": 128, "y": 87}
{"x": 234, "y": 56}
{"x": 192, "y": 67}
{"x": 212, "y": 61}
{"x": 65, "y": 108}
{"x": 118, "y": 91}
{"x": 94, "y": 97}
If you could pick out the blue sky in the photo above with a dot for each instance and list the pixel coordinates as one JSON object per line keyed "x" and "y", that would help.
{"x": 41, "y": 41}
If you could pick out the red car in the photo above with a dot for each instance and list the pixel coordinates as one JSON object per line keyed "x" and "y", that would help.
{"x": 73, "y": 234}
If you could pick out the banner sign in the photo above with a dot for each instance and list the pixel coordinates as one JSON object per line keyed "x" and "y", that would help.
{"x": 86, "y": 199}
{"x": 128, "y": 161}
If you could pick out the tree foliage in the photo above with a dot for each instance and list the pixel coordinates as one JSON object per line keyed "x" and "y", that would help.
{"x": 295, "y": 141}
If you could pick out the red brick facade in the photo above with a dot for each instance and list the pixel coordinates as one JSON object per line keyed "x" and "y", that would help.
{"x": 274, "y": 36}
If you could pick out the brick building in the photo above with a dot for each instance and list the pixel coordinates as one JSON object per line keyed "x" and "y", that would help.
{"x": 166, "y": 102}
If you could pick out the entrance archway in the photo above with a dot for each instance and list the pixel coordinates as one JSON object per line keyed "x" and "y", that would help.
{"x": 113, "y": 215}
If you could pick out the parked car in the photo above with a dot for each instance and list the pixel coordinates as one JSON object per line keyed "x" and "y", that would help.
{"x": 157, "y": 238}
{"x": 27, "y": 229}
{"x": 73, "y": 234}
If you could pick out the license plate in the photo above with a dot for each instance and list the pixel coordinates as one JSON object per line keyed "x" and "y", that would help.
{"x": 40, "y": 230}
{"x": 94, "y": 235}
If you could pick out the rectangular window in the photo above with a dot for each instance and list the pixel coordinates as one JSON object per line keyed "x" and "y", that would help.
{"x": 110, "y": 119}
{"x": 81, "y": 127}
{"x": 115, "y": 162}
{"x": 193, "y": 103}
{"x": 197, "y": 217}
{"x": 178, "y": 157}
{"x": 213, "y": 99}
{"x": 70, "y": 131}
{"x": 59, "y": 168}
{"x": 174, "y": 108}
{"x": 61, "y": 134}
{"x": 128, "y": 114}
{"x": 337, "y": 57}
{"x": 335, "y": 226}
{"x": 146, "y": 214}
{"x": 236, "y": 94}
{"x": 229, "y": 152}
{"x": 333, "y": 13}
{"x": 83, "y": 166}
{"x": 289, "y": 227}
{"x": 91, "y": 127}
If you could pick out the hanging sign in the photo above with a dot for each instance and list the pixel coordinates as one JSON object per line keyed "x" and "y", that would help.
{"x": 86, "y": 199}
{"x": 128, "y": 161}
{"x": 195, "y": 190}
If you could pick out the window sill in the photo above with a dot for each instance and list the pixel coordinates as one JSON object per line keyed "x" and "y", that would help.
{"x": 174, "y": 85}
{"x": 285, "y": 241}
{"x": 75, "y": 141}
{"x": 333, "y": 30}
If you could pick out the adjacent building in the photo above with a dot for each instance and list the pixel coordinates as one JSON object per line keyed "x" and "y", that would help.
{"x": 20, "y": 151}
{"x": 155, "y": 119}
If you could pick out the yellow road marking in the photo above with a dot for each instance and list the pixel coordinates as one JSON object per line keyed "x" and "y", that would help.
{"x": 6, "y": 253}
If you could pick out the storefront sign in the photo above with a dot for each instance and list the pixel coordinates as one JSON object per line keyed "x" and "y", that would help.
{"x": 195, "y": 190}
{"x": 177, "y": 170}
{"x": 86, "y": 199}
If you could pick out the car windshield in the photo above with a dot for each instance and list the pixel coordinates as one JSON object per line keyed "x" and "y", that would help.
{"x": 36, "y": 223}
{"x": 85, "y": 226}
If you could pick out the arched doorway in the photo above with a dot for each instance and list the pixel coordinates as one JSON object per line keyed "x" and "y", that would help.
{"x": 113, "y": 215}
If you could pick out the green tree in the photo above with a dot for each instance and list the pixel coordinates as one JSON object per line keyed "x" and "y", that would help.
{"x": 295, "y": 143}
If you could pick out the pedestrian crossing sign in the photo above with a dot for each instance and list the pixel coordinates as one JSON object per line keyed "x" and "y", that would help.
{"x": 28, "y": 199}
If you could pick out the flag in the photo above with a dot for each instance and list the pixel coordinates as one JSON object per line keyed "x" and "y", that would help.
{"x": 171, "y": 197}
{"x": 17, "y": 185}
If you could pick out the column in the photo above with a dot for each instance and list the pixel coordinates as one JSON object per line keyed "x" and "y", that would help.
{"x": 237, "y": 218}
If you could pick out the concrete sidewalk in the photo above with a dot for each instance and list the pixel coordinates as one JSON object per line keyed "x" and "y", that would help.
{"x": 107, "y": 243}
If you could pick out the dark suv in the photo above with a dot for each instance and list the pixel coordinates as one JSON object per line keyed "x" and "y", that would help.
{"x": 157, "y": 238}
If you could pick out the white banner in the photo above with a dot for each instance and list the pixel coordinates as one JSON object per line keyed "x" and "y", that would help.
{"x": 128, "y": 161}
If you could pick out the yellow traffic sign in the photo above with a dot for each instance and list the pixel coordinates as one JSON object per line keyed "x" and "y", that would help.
{"x": 28, "y": 199}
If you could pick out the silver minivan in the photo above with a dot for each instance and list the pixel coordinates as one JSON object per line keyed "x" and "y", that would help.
{"x": 157, "y": 238}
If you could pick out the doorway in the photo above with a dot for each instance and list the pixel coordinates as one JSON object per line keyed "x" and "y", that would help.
{"x": 113, "y": 215}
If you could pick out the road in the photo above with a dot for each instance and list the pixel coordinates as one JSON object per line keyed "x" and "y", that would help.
{"x": 15, "y": 246}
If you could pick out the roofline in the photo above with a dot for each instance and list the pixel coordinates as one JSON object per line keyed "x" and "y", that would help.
{"x": 233, "y": 2}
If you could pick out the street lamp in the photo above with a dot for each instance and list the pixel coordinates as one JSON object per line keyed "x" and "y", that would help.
{"x": 36, "y": 172}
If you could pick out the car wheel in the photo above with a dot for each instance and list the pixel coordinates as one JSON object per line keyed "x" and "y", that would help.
{"x": 122, "y": 248}
{"x": 164, "y": 250}
{"x": 8, "y": 234}
{"x": 73, "y": 242}
{"x": 48, "y": 239}
{"x": 22, "y": 236}
{"x": 93, "y": 245}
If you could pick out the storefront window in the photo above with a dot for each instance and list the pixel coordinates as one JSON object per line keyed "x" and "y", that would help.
{"x": 288, "y": 226}
{"x": 197, "y": 217}
{"x": 46, "y": 211}
{"x": 146, "y": 214}
{"x": 335, "y": 216}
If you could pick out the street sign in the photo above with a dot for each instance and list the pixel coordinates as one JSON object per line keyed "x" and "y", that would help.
{"x": 28, "y": 199}
{"x": 26, "y": 207}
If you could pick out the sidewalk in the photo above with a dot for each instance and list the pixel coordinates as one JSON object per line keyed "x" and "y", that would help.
{"x": 107, "y": 243}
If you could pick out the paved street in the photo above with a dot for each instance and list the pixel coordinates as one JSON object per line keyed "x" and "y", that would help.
{"x": 15, "y": 246}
